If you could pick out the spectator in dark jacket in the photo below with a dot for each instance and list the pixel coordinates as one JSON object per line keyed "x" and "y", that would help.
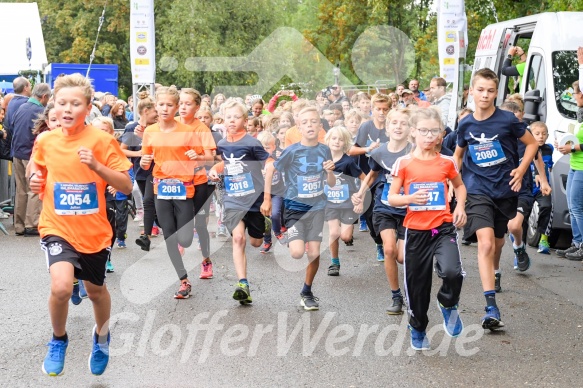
{"x": 28, "y": 206}
{"x": 22, "y": 90}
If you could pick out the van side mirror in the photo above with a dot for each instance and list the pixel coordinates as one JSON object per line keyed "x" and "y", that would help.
{"x": 532, "y": 102}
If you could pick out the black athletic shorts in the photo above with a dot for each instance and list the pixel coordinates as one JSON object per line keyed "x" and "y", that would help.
{"x": 254, "y": 221}
{"x": 305, "y": 226}
{"x": 383, "y": 221}
{"x": 485, "y": 212}
{"x": 525, "y": 205}
{"x": 346, "y": 216}
{"x": 88, "y": 266}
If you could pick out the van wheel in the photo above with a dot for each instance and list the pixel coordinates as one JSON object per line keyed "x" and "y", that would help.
{"x": 532, "y": 235}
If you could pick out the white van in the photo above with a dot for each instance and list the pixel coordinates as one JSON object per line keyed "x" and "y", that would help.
{"x": 551, "y": 41}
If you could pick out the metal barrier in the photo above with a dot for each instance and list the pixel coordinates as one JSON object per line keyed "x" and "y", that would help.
{"x": 6, "y": 188}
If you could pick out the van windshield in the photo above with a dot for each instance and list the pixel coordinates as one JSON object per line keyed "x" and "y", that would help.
{"x": 565, "y": 72}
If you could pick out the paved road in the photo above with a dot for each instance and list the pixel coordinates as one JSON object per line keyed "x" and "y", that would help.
{"x": 210, "y": 340}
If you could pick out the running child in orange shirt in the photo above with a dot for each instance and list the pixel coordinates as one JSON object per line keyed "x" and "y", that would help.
{"x": 70, "y": 169}
{"x": 431, "y": 228}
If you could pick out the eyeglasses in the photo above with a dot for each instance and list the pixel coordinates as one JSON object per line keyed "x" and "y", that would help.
{"x": 425, "y": 131}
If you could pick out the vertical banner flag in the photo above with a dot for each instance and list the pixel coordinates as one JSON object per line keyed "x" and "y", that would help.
{"x": 452, "y": 37}
{"x": 142, "y": 42}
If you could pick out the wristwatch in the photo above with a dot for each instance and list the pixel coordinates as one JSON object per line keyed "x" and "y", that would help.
{"x": 573, "y": 148}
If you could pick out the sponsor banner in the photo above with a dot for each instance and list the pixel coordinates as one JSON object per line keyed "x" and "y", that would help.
{"x": 142, "y": 42}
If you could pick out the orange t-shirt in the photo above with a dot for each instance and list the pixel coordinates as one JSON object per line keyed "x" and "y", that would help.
{"x": 293, "y": 136}
{"x": 72, "y": 188}
{"x": 169, "y": 149}
{"x": 207, "y": 142}
{"x": 431, "y": 175}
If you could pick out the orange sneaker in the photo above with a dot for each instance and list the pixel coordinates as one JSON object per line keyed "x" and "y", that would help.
{"x": 206, "y": 270}
{"x": 184, "y": 290}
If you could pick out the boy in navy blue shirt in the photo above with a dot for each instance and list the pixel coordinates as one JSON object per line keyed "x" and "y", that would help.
{"x": 307, "y": 166}
{"x": 493, "y": 176}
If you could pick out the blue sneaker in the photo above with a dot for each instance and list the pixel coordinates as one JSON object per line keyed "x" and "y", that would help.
{"x": 380, "y": 253}
{"x": 75, "y": 297}
{"x": 82, "y": 290}
{"x": 452, "y": 323}
{"x": 109, "y": 266}
{"x": 99, "y": 355}
{"x": 492, "y": 318}
{"x": 544, "y": 248}
{"x": 516, "y": 263}
{"x": 54, "y": 362}
{"x": 363, "y": 227}
{"x": 121, "y": 244}
{"x": 419, "y": 339}
{"x": 522, "y": 258}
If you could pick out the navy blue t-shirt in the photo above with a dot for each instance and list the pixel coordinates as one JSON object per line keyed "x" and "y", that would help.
{"x": 243, "y": 177}
{"x": 134, "y": 143}
{"x": 382, "y": 161}
{"x": 304, "y": 176}
{"x": 368, "y": 133}
{"x": 345, "y": 171}
{"x": 491, "y": 154}
{"x": 546, "y": 151}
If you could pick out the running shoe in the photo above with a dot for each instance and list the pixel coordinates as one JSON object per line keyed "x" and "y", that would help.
{"x": 75, "y": 297}
{"x": 82, "y": 290}
{"x": 396, "y": 307}
{"x": 492, "y": 318}
{"x": 380, "y": 253}
{"x": 184, "y": 290}
{"x": 206, "y": 270}
{"x": 143, "y": 242}
{"x": 155, "y": 231}
{"x": 121, "y": 244}
{"x": 497, "y": 280}
{"x": 222, "y": 231}
{"x": 309, "y": 302}
{"x": 522, "y": 258}
{"x": 544, "y": 247}
{"x": 452, "y": 323}
{"x": 99, "y": 355}
{"x": 139, "y": 215}
{"x": 109, "y": 267}
{"x": 281, "y": 239}
{"x": 283, "y": 229}
{"x": 54, "y": 361}
{"x": 334, "y": 270}
{"x": 363, "y": 226}
{"x": 266, "y": 247}
{"x": 575, "y": 256}
{"x": 563, "y": 252}
{"x": 419, "y": 339}
{"x": 242, "y": 293}
{"x": 349, "y": 243}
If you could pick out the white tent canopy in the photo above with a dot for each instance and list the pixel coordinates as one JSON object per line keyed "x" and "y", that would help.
{"x": 20, "y": 21}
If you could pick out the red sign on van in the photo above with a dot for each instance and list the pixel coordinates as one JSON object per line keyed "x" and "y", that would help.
{"x": 486, "y": 40}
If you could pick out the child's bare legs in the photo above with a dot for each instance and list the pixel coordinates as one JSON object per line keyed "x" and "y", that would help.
{"x": 99, "y": 296}
{"x": 62, "y": 278}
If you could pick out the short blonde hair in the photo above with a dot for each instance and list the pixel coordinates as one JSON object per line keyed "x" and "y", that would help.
{"x": 539, "y": 124}
{"x": 309, "y": 109}
{"x": 104, "y": 120}
{"x": 265, "y": 138}
{"x": 343, "y": 133}
{"x": 380, "y": 97}
{"x": 270, "y": 122}
{"x": 430, "y": 113}
{"x": 74, "y": 81}
{"x": 353, "y": 113}
{"x": 195, "y": 94}
{"x": 233, "y": 103}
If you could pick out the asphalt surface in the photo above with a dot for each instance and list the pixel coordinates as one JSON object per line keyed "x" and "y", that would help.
{"x": 210, "y": 340}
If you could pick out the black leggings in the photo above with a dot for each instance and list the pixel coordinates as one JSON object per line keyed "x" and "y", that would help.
{"x": 147, "y": 190}
{"x": 176, "y": 220}
{"x": 202, "y": 197}
{"x": 368, "y": 214}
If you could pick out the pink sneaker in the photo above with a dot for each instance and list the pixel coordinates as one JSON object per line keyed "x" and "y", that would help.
{"x": 206, "y": 270}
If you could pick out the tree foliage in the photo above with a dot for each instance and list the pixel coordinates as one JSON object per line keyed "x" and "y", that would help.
{"x": 231, "y": 28}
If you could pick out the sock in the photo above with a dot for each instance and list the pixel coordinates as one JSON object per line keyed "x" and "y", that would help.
{"x": 517, "y": 246}
{"x": 496, "y": 271}
{"x": 544, "y": 237}
{"x": 75, "y": 284}
{"x": 244, "y": 281}
{"x": 490, "y": 298}
{"x": 307, "y": 289}
{"x": 101, "y": 339}
{"x": 336, "y": 261}
{"x": 396, "y": 293}
{"x": 64, "y": 338}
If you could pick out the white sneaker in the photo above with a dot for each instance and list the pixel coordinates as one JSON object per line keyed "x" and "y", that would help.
{"x": 139, "y": 216}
